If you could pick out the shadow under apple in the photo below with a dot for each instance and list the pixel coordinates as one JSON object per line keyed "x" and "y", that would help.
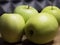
{"x": 25, "y": 42}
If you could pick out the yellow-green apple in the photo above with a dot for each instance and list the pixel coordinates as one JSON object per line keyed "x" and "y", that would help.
{"x": 26, "y": 11}
{"x": 54, "y": 10}
{"x": 42, "y": 28}
{"x": 11, "y": 27}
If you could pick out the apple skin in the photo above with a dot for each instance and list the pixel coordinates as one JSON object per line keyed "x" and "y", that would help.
{"x": 11, "y": 27}
{"x": 26, "y": 11}
{"x": 54, "y": 11}
{"x": 42, "y": 28}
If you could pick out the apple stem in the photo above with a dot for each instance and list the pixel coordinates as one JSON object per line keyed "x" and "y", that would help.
{"x": 28, "y": 7}
{"x": 52, "y": 8}
{"x": 52, "y": 5}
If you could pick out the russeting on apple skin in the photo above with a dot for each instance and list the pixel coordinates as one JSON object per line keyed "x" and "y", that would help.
{"x": 26, "y": 11}
{"x": 54, "y": 10}
{"x": 42, "y": 28}
{"x": 11, "y": 27}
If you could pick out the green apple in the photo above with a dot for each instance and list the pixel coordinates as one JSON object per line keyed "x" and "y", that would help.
{"x": 41, "y": 28}
{"x": 54, "y": 11}
{"x": 26, "y": 11}
{"x": 11, "y": 27}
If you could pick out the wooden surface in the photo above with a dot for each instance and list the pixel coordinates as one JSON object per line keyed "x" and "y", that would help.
{"x": 55, "y": 41}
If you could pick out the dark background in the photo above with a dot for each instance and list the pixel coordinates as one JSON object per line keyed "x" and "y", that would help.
{"x": 8, "y": 6}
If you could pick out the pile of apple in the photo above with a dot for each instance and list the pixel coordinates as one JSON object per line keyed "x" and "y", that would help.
{"x": 39, "y": 28}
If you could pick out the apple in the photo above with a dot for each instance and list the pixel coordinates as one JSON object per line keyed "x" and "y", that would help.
{"x": 42, "y": 28}
{"x": 54, "y": 11}
{"x": 26, "y": 11}
{"x": 11, "y": 27}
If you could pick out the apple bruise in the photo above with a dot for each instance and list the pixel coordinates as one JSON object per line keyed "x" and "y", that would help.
{"x": 28, "y": 7}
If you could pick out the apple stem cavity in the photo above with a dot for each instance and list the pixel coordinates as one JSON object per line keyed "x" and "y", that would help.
{"x": 31, "y": 32}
